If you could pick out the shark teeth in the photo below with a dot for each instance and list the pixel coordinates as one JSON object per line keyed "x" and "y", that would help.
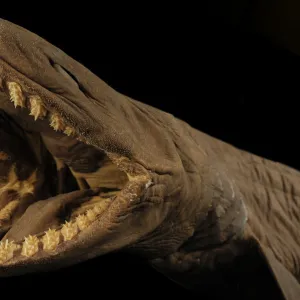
{"x": 56, "y": 122}
{"x": 16, "y": 94}
{"x": 37, "y": 109}
{"x": 91, "y": 215}
{"x": 99, "y": 208}
{"x": 30, "y": 246}
{"x": 7, "y": 211}
{"x": 82, "y": 222}
{"x": 7, "y": 249}
{"x": 69, "y": 131}
{"x": 69, "y": 230}
{"x": 51, "y": 240}
{"x": 21, "y": 188}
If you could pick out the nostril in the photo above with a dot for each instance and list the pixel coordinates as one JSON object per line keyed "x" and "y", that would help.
{"x": 51, "y": 62}
{"x": 69, "y": 76}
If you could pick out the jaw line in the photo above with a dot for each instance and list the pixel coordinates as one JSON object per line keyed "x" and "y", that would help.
{"x": 108, "y": 136}
{"x": 80, "y": 247}
{"x": 89, "y": 243}
{"x": 96, "y": 236}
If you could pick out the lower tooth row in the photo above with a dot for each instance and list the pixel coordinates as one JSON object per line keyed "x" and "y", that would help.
{"x": 37, "y": 109}
{"x": 7, "y": 250}
{"x": 51, "y": 239}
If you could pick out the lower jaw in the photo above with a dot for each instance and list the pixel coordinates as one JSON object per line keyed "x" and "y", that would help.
{"x": 13, "y": 205}
{"x": 64, "y": 240}
{"x": 80, "y": 245}
{"x": 49, "y": 184}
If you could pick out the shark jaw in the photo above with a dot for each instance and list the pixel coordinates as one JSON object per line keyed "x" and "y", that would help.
{"x": 76, "y": 221}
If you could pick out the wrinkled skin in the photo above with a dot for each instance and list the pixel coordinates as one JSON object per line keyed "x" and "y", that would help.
{"x": 188, "y": 203}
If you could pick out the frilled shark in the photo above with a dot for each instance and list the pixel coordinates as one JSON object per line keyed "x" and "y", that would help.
{"x": 86, "y": 170}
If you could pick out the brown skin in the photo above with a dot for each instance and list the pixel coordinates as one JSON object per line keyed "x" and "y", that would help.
{"x": 207, "y": 203}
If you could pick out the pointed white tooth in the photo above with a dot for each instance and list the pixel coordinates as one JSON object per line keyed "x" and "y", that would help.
{"x": 37, "y": 109}
{"x": 91, "y": 215}
{"x": 56, "y": 122}
{"x": 50, "y": 240}
{"x": 100, "y": 207}
{"x": 7, "y": 249}
{"x": 28, "y": 185}
{"x": 69, "y": 230}
{"x": 69, "y": 131}
{"x": 8, "y": 210}
{"x": 82, "y": 222}
{"x": 30, "y": 246}
{"x": 16, "y": 94}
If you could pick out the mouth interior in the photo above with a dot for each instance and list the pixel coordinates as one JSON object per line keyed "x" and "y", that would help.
{"x": 42, "y": 158}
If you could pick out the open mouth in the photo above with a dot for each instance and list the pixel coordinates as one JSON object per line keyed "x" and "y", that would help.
{"x": 54, "y": 186}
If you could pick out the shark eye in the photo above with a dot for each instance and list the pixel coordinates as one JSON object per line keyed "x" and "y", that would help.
{"x": 70, "y": 77}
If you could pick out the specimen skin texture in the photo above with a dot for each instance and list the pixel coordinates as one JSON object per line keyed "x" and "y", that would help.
{"x": 85, "y": 170}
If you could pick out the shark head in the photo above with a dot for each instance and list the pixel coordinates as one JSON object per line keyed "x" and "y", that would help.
{"x": 84, "y": 170}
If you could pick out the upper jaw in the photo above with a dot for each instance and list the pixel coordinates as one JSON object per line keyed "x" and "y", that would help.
{"x": 29, "y": 108}
{"x": 112, "y": 122}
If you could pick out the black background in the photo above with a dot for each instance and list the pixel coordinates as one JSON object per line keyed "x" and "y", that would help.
{"x": 205, "y": 69}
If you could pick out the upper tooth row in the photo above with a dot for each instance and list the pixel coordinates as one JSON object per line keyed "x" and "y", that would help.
{"x": 37, "y": 109}
{"x": 51, "y": 238}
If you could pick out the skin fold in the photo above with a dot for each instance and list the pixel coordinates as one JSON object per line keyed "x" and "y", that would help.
{"x": 187, "y": 202}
